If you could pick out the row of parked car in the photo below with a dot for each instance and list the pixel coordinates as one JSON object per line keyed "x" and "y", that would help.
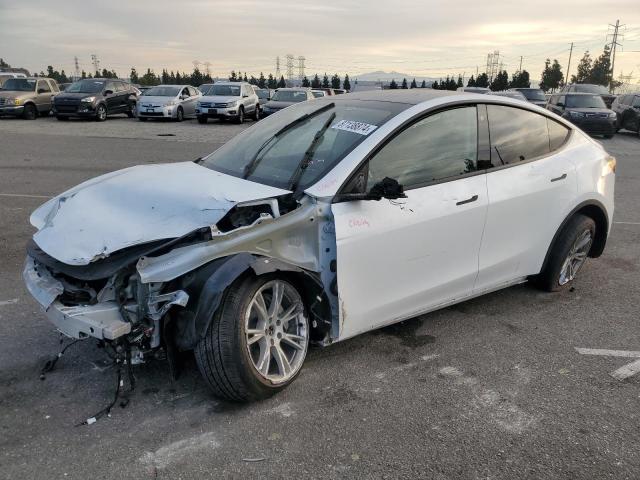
{"x": 100, "y": 97}
{"x": 590, "y": 107}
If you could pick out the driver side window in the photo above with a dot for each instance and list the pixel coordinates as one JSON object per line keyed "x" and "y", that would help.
{"x": 441, "y": 146}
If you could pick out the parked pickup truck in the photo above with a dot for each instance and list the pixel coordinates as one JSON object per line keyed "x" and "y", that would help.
{"x": 27, "y": 97}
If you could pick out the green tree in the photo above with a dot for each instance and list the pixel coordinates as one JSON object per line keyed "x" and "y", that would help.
{"x": 281, "y": 82}
{"x": 179, "y": 79}
{"x": 325, "y": 81}
{"x": 335, "y": 81}
{"x": 305, "y": 82}
{"x": 552, "y": 76}
{"x": 83, "y": 74}
{"x": 262, "y": 82}
{"x": 315, "y": 83}
{"x": 253, "y": 80}
{"x": 271, "y": 82}
{"x": 149, "y": 78}
{"x": 133, "y": 76}
{"x": 423, "y": 84}
{"x": 4, "y": 64}
{"x": 435, "y": 85}
{"x": 601, "y": 70}
{"x": 404, "y": 84}
{"x": 233, "y": 77}
{"x": 172, "y": 78}
{"x": 393, "y": 85}
{"x": 471, "y": 82}
{"x": 520, "y": 80}
{"x": 482, "y": 80}
{"x": 346, "y": 84}
{"x": 459, "y": 82}
{"x": 244, "y": 79}
{"x": 584, "y": 69}
{"x": 500, "y": 82}
{"x": 165, "y": 76}
{"x": 196, "y": 77}
{"x": 413, "y": 84}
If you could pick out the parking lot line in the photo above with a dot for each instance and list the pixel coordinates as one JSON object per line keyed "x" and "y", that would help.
{"x": 628, "y": 223}
{"x": 608, "y": 353}
{"x": 23, "y": 195}
{"x": 626, "y": 371}
{"x": 8, "y": 302}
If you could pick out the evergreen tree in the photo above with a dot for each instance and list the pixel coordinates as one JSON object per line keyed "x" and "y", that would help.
{"x": 233, "y": 77}
{"x": 253, "y": 80}
{"x": 459, "y": 83}
{"x": 413, "y": 84}
{"x": 133, "y": 76}
{"x": 178, "y": 78}
{"x": 482, "y": 80}
{"x": 601, "y": 70}
{"x": 149, "y": 78}
{"x": 552, "y": 76}
{"x": 244, "y": 79}
{"x": 271, "y": 82}
{"x": 4, "y": 64}
{"x": 315, "y": 83}
{"x": 500, "y": 82}
{"x": 520, "y": 80}
{"x": 196, "y": 77}
{"x": 165, "y": 76}
{"x": 172, "y": 78}
{"x": 404, "y": 84}
{"x": 346, "y": 84}
{"x": 281, "y": 82}
{"x": 262, "y": 82}
{"x": 83, "y": 74}
{"x": 435, "y": 85}
{"x": 335, "y": 81}
{"x": 393, "y": 85}
{"x": 423, "y": 84}
{"x": 305, "y": 82}
{"x": 471, "y": 82}
{"x": 325, "y": 81}
{"x": 584, "y": 69}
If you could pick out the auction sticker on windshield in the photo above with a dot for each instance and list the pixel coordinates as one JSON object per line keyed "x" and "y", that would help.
{"x": 355, "y": 127}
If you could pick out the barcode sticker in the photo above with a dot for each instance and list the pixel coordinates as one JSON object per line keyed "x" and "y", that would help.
{"x": 355, "y": 127}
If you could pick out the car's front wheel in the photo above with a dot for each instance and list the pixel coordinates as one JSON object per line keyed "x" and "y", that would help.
{"x": 240, "y": 117}
{"x": 568, "y": 254}
{"x": 180, "y": 114}
{"x": 257, "y": 341}
{"x": 202, "y": 119}
{"x": 101, "y": 113}
{"x": 30, "y": 112}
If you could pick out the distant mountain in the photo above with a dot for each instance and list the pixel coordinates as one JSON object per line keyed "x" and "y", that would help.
{"x": 388, "y": 76}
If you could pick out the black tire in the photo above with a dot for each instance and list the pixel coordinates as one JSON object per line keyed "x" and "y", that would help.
{"x": 61, "y": 118}
{"x": 549, "y": 278}
{"x": 256, "y": 113}
{"x": 222, "y": 119}
{"x": 143, "y": 119}
{"x": 608, "y": 136}
{"x": 101, "y": 113}
{"x": 202, "y": 119}
{"x": 131, "y": 111}
{"x": 30, "y": 112}
{"x": 240, "y": 117}
{"x": 179, "y": 114}
{"x": 222, "y": 355}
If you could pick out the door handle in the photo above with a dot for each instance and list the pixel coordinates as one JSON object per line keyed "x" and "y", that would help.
{"x": 468, "y": 200}
{"x": 561, "y": 177}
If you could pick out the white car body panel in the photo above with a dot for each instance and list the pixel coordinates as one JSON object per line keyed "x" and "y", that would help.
{"x": 397, "y": 259}
{"x": 138, "y": 205}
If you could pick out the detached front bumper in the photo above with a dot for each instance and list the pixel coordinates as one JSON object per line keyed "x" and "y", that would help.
{"x": 101, "y": 320}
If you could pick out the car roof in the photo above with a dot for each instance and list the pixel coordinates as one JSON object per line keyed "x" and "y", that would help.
{"x": 577, "y": 94}
{"x": 296, "y": 89}
{"x": 411, "y": 96}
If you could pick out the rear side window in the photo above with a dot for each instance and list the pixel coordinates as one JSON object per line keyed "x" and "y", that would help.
{"x": 441, "y": 146}
{"x": 557, "y": 134}
{"x": 516, "y": 135}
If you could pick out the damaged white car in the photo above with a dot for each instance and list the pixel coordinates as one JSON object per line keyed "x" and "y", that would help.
{"x": 326, "y": 220}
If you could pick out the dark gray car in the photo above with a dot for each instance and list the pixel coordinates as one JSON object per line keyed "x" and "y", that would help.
{"x": 533, "y": 95}
{"x": 95, "y": 98}
{"x": 586, "y": 110}
{"x": 285, "y": 97}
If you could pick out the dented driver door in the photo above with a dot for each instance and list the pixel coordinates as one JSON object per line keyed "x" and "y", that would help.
{"x": 400, "y": 258}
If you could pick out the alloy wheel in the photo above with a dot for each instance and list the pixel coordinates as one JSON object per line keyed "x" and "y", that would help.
{"x": 576, "y": 257}
{"x": 276, "y": 331}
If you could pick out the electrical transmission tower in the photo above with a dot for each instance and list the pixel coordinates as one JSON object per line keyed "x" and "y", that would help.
{"x": 289, "y": 58}
{"x": 77, "y": 71}
{"x": 278, "y": 74}
{"x": 207, "y": 68}
{"x": 301, "y": 60}
{"x": 612, "y": 52}
{"x": 493, "y": 64}
{"x": 96, "y": 62}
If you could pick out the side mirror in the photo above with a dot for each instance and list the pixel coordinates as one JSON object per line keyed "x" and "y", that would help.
{"x": 182, "y": 97}
{"x": 41, "y": 90}
{"x": 385, "y": 188}
{"x": 108, "y": 92}
{"x": 560, "y": 104}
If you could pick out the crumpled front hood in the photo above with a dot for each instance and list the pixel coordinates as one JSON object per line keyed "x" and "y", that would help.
{"x": 138, "y": 205}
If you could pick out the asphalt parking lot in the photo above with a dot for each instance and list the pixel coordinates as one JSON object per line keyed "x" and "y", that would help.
{"x": 492, "y": 388}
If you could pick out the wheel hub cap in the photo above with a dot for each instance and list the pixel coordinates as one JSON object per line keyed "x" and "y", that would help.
{"x": 576, "y": 257}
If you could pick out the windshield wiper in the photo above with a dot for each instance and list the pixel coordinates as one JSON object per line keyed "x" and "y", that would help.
{"x": 308, "y": 155}
{"x": 253, "y": 164}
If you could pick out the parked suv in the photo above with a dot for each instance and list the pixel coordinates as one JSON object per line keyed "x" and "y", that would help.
{"x": 96, "y": 98}
{"x": 228, "y": 100}
{"x": 285, "y": 97}
{"x": 533, "y": 95}
{"x": 586, "y": 110}
{"x": 590, "y": 88}
{"x": 27, "y": 97}
{"x": 627, "y": 109}
{"x": 4, "y": 76}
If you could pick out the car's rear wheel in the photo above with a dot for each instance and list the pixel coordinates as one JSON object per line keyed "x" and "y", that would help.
{"x": 131, "y": 110}
{"x": 29, "y": 112}
{"x": 256, "y": 113}
{"x": 101, "y": 113}
{"x": 202, "y": 119}
{"x": 240, "y": 117}
{"x": 179, "y": 114}
{"x": 257, "y": 341}
{"x": 568, "y": 253}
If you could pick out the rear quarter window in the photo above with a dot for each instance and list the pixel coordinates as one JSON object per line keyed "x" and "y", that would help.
{"x": 558, "y": 134}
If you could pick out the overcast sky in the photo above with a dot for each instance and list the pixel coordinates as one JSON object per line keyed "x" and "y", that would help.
{"x": 417, "y": 37}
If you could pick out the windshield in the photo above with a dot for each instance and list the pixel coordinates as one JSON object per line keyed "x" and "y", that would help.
{"x": 19, "y": 85}
{"x": 260, "y": 155}
{"x": 585, "y": 101}
{"x": 86, "y": 86}
{"x": 262, "y": 94}
{"x": 225, "y": 90}
{"x": 289, "y": 96}
{"x": 599, "y": 89}
{"x": 205, "y": 89}
{"x": 162, "y": 92}
{"x": 533, "y": 94}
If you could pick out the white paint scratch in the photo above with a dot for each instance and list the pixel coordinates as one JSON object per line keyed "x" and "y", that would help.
{"x": 180, "y": 450}
{"x": 12, "y": 301}
{"x": 507, "y": 415}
